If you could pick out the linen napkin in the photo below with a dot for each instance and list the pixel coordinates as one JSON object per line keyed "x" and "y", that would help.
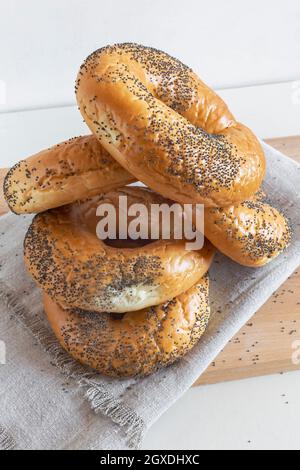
{"x": 49, "y": 401}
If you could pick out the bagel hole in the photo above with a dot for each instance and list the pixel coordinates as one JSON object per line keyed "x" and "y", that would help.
{"x": 128, "y": 243}
{"x": 117, "y": 316}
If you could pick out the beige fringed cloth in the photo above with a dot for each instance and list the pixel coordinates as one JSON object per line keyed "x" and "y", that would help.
{"x": 48, "y": 401}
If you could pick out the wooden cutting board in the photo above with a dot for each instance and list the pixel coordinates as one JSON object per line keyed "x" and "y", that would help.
{"x": 3, "y": 206}
{"x": 267, "y": 343}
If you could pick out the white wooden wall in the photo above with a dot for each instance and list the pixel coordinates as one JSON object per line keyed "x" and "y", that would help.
{"x": 229, "y": 43}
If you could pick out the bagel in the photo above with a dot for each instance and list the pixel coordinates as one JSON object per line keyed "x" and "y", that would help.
{"x": 76, "y": 169}
{"x": 251, "y": 233}
{"x": 135, "y": 343}
{"x": 77, "y": 269}
{"x": 167, "y": 128}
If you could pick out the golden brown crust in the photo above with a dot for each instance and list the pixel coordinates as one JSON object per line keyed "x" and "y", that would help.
{"x": 72, "y": 170}
{"x": 251, "y": 233}
{"x": 68, "y": 261}
{"x": 163, "y": 124}
{"x": 136, "y": 343}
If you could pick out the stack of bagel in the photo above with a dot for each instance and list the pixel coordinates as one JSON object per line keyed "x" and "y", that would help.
{"x": 127, "y": 309}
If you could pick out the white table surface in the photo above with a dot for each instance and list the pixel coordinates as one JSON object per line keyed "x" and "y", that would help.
{"x": 257, "y": 413}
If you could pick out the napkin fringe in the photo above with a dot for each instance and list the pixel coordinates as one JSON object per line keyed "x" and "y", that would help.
{"x": 102, "y": 401}
{"x": 7, "y": 442}
{"x": 99, "y": 398}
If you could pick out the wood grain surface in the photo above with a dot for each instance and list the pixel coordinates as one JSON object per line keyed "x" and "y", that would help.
{"x": 267, "y": 343}
{"x": 3, "y": 205}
